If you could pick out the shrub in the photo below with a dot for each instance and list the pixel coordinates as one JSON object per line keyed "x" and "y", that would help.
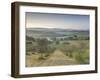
{"x": 82, "y": 57}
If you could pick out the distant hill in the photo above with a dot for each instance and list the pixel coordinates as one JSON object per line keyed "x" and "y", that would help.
{"x": 54, "y": 32}
{"x": 53, "y": 29}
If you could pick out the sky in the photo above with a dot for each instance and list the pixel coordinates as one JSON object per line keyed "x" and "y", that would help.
{"x": 52, "y": 20}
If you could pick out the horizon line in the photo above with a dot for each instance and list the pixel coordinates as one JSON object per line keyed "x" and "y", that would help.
{"x": 55, "y": 28}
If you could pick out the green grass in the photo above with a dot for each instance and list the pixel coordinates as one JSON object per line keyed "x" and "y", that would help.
{"x": 75, "y": 49}
{"x": 79, "y": 50}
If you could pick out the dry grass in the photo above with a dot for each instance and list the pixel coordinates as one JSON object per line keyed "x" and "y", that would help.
{"x": 55, "y": 59}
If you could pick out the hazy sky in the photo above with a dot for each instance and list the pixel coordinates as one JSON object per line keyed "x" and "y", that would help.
{"x": 66, "y": 21}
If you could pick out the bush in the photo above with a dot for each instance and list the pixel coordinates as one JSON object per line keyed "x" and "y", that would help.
{"x": 41, "y": 58}
{"x": 83, "y": 57}
{"x": 66, "y": 43}
{"x": 30, "y": 38}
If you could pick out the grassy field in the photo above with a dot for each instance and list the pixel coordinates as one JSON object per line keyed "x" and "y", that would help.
{"x": 74, "y": 52}
{"x": 69, "y": 49}
{"x": 55, "y": 59}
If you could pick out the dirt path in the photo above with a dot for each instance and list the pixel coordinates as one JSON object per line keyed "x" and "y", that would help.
{"x": 58, "y": 58}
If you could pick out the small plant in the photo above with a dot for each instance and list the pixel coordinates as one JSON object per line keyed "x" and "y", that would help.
{"x": 41, "y": 58}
